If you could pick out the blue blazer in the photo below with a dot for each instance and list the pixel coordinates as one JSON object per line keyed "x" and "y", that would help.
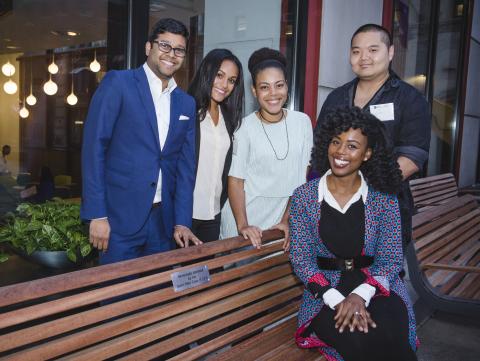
{"x": 121, "y": 155}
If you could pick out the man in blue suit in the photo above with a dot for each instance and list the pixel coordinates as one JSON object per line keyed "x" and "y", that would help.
{"x": 138, "y": 154}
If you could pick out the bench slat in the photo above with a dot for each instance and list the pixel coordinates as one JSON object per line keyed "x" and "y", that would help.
{"x": 277, "y": 344}
{"x": 438, "y": 277}
{"x": 442, "y": 266}
{"x": 425, "y": 187}
{"x": 142, "y": 319}
{"x": 458, "y": 277}
{"x": 159, "y": 330}
{"x": 442, "y": 241}
{"x": 431, "y": 178}
{"x": 93, "y": 276}
{"x": 199, "y": 332}
{"x": 59, "y": 326}
{"x": 118, "y": 289}
{"x": 425, "y": 222}
{"x": 238, "y": 333}
{"x": 431, "y": 195}
{"x": 468, "y": 287}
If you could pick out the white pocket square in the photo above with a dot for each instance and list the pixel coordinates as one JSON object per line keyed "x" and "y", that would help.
{"x": 183, "y": 117}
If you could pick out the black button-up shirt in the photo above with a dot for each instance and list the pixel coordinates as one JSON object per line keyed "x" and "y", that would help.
{"x": 409, "y": 131}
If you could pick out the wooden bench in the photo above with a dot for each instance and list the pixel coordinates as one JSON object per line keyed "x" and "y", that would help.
{"x": 247, "y": 311}
{"x": 432, "y": 191}
{"x": 444, "y": 256}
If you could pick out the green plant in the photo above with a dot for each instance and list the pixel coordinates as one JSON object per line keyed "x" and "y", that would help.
{"x": 52, "y": 226}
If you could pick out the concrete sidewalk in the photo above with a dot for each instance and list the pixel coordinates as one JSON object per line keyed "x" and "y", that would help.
{"x": 443, "y": 336}
{"x": 447, "y": 337}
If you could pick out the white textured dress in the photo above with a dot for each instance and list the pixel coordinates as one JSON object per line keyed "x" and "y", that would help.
{"x": 270, "y": 180}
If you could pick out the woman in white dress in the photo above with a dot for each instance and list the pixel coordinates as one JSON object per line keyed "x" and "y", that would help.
{"x": 271, "y": 152}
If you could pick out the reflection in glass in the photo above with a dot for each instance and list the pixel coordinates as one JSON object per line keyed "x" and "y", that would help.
{"x": 410, "y": 40}
{"x": 445, "y": 87}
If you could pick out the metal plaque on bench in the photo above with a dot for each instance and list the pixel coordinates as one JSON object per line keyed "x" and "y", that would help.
{"x": 190, "y": 278}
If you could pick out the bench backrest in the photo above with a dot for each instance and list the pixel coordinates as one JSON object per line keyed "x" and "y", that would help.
{"x": 448, "y": 234}
{"x": 80, "y": 315}
{"x": 434, "y": 190}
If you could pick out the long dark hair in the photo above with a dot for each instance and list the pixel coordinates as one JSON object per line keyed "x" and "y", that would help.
{"x": 202, "y": 84}
{"x": 381, "y": 171}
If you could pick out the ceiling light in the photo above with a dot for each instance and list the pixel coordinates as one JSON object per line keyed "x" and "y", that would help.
{"x": 72, "y": 33}
{"x": 31, "y": 100}
{"x": 53, "y": 68}
{"x": 24, "y": 113}
{"x": 72, "y": 99}
{"x": 50, "y": 88}
{"x": 10, "y": 87}
{"x": 95, "y": 65}
{"x": 8, "y": 69}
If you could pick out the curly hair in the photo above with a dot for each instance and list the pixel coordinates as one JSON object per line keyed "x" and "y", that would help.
{"x": 266, "y": 58}
{"x": 381, "y": 171}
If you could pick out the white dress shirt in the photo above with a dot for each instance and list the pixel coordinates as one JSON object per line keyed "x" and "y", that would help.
{"x": 161, "y": 101}
{"x": 332, "y": 297}
{"x": 214, "y": 144}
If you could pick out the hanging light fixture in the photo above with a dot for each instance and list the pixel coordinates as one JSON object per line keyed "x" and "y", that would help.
{"x": 53, "y": 68}
{"x": 31, "y": 100}
{"x": 72, "y": 98}
{"x": 8, "y": 69}
{"x": 10, "y": 87}
{"x": 95, "y": 65}
{"x": 23, "y": 112}
{"x": 50, "y": 88}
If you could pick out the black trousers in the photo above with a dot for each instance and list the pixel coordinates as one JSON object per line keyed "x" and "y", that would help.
{"x": 388, "y": 341}
{"x": 207, "y": 231}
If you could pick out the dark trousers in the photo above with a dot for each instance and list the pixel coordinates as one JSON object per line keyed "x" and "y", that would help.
{"x": 208, "y": 230}
{"x": 150, "y": 239}
{"x": 389, "y": 341}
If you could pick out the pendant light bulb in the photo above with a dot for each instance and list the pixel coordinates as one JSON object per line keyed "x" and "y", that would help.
{"x": 8, "y": 69}
{"x": 95, "y": 65}
{"x": 10, "y": 87}
{"x": 53, "y": 68}
{"x": 31, "y": 100}
{"x": 50, "y": 88}
{"x": 24, "y": 113}
{"x": 72, "y": 99}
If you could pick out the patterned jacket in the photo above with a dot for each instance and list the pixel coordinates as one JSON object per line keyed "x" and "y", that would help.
{"x": 382, "y": 241}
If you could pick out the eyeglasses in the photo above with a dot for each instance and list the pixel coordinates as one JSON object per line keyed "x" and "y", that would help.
{"x": 166, "y": 48}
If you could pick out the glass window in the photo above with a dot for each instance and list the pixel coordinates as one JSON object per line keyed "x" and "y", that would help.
{"x": 411, "y": 41}
{"x": 415, "y": 34}
{"x": 445, "y": 86}
{"x": 54, "y": 54}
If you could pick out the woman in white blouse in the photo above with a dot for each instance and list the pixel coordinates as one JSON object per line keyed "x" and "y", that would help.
{"x": 271, "y": 152}
{"x": 219, "y": 94}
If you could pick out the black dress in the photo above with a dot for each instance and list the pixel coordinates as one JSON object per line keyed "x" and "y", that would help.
{"x": 343, "y": 235}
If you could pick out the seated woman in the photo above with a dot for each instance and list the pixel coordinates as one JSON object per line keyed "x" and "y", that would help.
{"x": 271, "y": 151}
{"x": 346, "y": 246}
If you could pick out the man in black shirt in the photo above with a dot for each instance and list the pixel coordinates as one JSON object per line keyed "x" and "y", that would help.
{"x": 403, "y": 110}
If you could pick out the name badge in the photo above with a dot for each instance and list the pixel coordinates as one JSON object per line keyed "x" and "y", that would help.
{"x": 383, "y": 112}
{"x": 190, "y": 278}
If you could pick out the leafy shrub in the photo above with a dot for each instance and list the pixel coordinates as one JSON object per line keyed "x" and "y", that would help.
{"x": 52, "y": 226}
